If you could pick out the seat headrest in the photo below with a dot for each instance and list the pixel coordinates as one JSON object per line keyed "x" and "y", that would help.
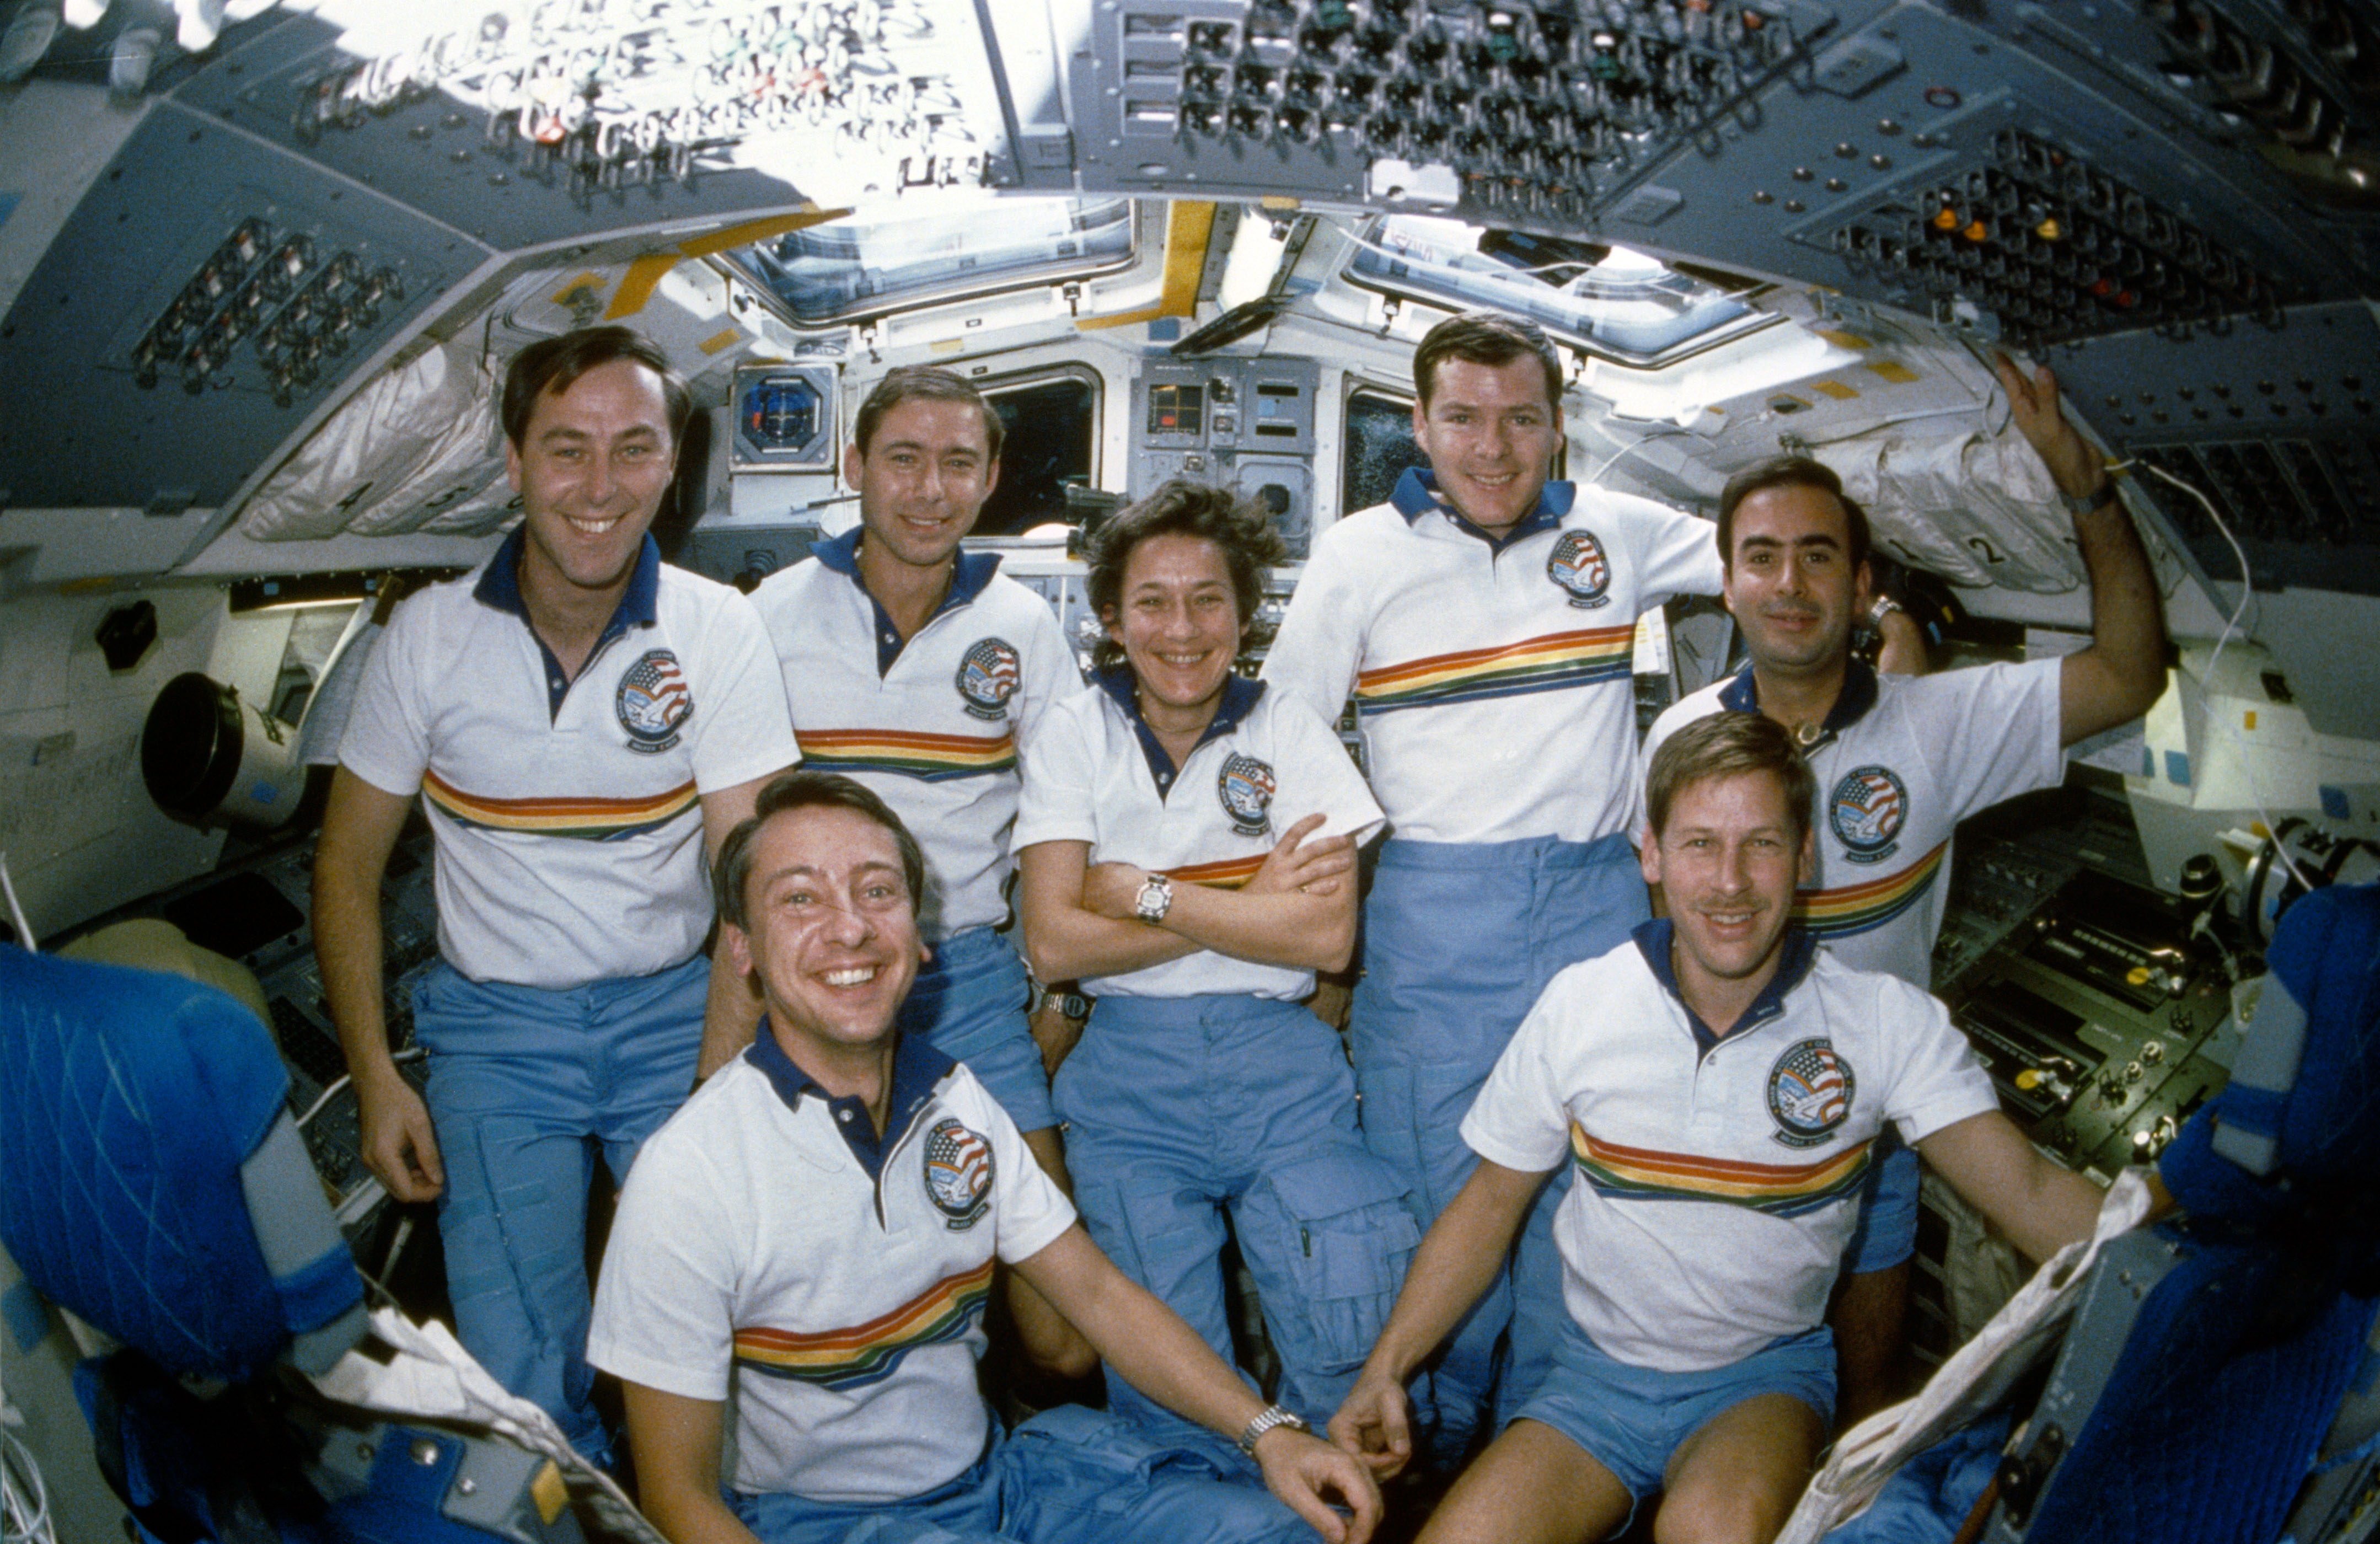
{"x": 132, "y": 1101}
{"x": 2303, "y": 1102}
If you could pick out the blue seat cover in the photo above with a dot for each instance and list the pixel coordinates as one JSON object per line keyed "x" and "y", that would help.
{"x": 130, "y": 1100}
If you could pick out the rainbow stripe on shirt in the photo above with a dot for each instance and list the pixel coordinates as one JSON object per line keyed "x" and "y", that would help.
{"x": 1858, "y": 909}
{"x": 583, "y": 817}
{"x": 1229, "y": 874}
{"x": 929, "y": 757}
{"x": 1777, "y": 1189}
{"x": 1555, "y": 662}
{"x": 870, "y": 1353}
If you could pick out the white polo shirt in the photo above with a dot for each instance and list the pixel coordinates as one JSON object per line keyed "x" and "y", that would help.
{"x": 1494, "y": 682}
{"x": 931, "y": 726}
{"x": 568, "y": 816}
{"x": 1098, "y": 775}
{"x": 1901, "y": 760}
{"x": 828, "y": 1286}
{"x": 1718, "y": 1178}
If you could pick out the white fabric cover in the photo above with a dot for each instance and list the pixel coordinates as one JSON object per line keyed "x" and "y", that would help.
{"x": 431, "y": 1377}
{"x": 1976, "y": 509}
{"x": 1975, "y": 1378}
{"x": 416, "y": 449}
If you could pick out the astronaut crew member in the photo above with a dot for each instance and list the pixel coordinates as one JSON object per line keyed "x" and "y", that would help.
{"x": 1900, "y": 759}
{"x": 1186, "y": 844}
{"x": 810, "y": 1240}
{"x": 1483, "y": 620}
{"x": 920, "y": 671}
{"x": 1718, "y": 1083}
{"x": 579, "y": 717}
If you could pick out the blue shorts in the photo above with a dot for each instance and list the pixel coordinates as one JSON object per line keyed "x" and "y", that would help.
{"x": 1886, "y": 1233}
{"x": 1068, "y": 1475}
{"x": 970, "y": 1001}
{"x": 1631, "y": 1419}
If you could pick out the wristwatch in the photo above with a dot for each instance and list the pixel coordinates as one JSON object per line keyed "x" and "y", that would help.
{"x": 2103, "y": 494}
{"x": 1063, "y": 997}
{"x": 1269, "y": 1416}
{"x": 1156, "y": 899}
{"x": 1885, "y": 606}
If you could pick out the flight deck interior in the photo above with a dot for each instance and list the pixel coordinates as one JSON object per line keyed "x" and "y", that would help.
{"x": 262, "y": 265}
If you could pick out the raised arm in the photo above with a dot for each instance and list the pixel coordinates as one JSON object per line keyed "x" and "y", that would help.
{"x": 732, "y": 1010}
{"x": 2115, "y": 679}
{"x": 675, "y": 1443}
{"x": 1455, "y": 1263}
{"x": 1149, "y": 1345}
{"x": 359, "y": 830}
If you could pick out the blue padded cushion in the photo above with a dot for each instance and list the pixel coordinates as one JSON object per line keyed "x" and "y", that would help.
{"x": 2327, "y": 951}
{"x": 130, "y": 1100}
{"x": 2326, "y": 954}
{"x": 2201, "y": 1435}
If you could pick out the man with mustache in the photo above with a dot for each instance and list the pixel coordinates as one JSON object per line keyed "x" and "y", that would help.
{"x": 1901, "y": 759}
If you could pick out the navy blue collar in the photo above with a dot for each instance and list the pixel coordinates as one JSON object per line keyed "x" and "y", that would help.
{"x": 639, "y": 604}
{"x": 969, "y": 573}
{"x": 1240, "y": 697}
{"x": 917, "y": 1069}
{"x": 1416, "y": 494}
{"x": 499, "y": 584}
{"x": 1852, "y": 703}
{"x": 1794, "y": 956}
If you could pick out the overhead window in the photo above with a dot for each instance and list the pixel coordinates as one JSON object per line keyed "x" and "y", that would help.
{"x": 857, "y": 266}
{"x": 1621, "y": 304}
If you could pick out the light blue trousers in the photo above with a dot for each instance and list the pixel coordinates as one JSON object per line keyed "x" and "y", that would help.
{"x": 525, "y": 1084}
{"x": 1068, "y": 1475}
{"x": 1182, "y": 1110}
{"x": 969, "y": 999}
{"x": 1458, "y": 941}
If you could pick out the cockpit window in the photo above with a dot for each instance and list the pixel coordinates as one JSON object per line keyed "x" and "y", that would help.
{"x": 1051, "y": 426}
{"x": 859, "y": 266}
{"x": 1380, "y": 446}
{"x": 1609, "y": 301}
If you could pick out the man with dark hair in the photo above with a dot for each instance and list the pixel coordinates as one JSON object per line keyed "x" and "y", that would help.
{"x": 1717, "y": 1084}
{"x": 553, "y": 364}
{"x": 919, "y": 670}
{"x": 578, "y": 718}
{"x": 1484, "y": 622}
{"x": 804, "y": 1251}
{"x": 927, "y": 383}
{"x": 1902, "y": 760}
{"x": 1901, "y": 646}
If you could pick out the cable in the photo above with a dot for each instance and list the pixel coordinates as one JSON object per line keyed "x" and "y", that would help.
{"x": 2230, "y": 627}
{"x": 16, "y": 911}
{"x": 1595, "y": 477}
{"x": 321, "y": 1100}
{"x": 24, "y": 1500}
